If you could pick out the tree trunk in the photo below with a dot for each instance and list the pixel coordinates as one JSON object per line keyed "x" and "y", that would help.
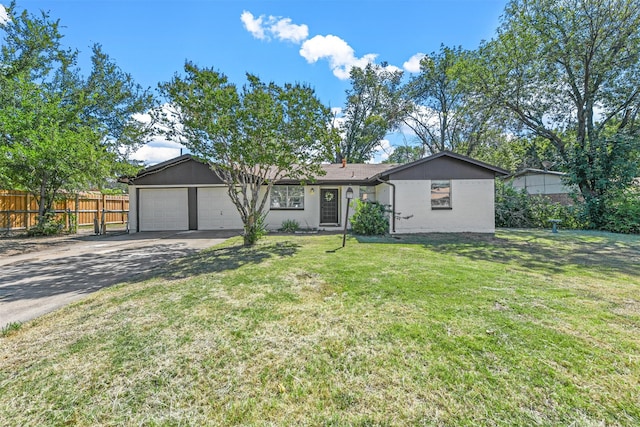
{"x": 42, "y": 202}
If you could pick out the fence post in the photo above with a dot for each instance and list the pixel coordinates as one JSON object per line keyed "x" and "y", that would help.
{"x": 66, "y": 213}
{"x": 103, "y": 225}
{"x": 27, "y": 212}
{"x": 77, "y": 219}
{"x": 97, "y": 216}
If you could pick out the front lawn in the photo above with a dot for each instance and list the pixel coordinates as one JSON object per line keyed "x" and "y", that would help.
{"x": 524, "y": 328}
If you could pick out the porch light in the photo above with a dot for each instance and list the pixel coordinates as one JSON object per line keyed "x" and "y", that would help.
{"x": 349, "y": 195}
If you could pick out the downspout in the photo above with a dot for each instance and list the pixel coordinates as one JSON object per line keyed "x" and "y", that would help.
{"x": 393, "y": 204}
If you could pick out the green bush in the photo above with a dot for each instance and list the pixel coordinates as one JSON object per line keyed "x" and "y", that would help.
{"x": 290, "y": 226}
{"x": 48, "y": 227}
{"x": 254, "y": 232}
{"x": 517, "y": 209}
{"x": 622, "y": 212}
{"x": 370, "y": 218}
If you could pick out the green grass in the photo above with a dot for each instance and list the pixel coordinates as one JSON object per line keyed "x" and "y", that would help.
{"x": 524, "y": 328}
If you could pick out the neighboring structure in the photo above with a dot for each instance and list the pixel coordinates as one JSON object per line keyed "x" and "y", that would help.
{"x": 446, "y": 192}
{"x": 543, "y": 182}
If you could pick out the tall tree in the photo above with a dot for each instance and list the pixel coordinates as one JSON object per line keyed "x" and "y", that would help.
{"x": 372, "y": 110}
{"x": 569, "y": 72}
{"x": 444, "y": 112}
{"x": 58, "y": 130}
{"x": 406, "y": 154}
{"x": 251, "y": 136}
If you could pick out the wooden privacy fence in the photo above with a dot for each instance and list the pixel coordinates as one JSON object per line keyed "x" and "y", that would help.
{"x": 19, "y": 210}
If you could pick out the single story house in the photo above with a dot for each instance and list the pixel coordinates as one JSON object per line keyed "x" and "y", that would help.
{"x": 446, "y": 192}
{"x": 540, "y": 182}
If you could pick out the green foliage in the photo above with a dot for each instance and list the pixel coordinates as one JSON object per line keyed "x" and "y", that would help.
{"x": 290, "y": 226}
{"x": 517, "y": 209}
{"x": 406, "y": 154}
{"x": 371, "y": 111}
{"x": 47, "y": 226}
{"x": 568, "y": 72}
{"x": 605, "y": 173}
{"x": 252, "y": 136}
{"x": 254, "y": 231}
{"x": 443, "y": 110}
{"x": 622, "y": 212}
{"x": 369, "y": 218}
{"x": 59, "y": 130}
{"x": 10, "y": 329}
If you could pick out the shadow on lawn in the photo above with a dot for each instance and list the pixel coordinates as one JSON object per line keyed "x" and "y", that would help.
{"x": 84, "y": 274}
{"x": 228, "y": 258}
{"x": 534, "y": 250}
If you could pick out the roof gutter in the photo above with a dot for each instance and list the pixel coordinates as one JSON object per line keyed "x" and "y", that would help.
{"x": 393, "y": 203}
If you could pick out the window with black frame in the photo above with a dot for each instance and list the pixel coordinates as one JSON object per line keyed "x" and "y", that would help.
{"x": 441, "y": 194}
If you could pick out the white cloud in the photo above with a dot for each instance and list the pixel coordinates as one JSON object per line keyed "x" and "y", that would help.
{"x": 413, "y": 64}
{"x": 340, "y": 55}
{"x": 4, "y": 17}
{"x": 160, "y": 147}
{"x": 336, "y": 51}
{"x": 392, "y": 68}
{"x": 156, "y": 152}
{"x": 283, "y": 29}
{"x": 253, "y": 25}
{"x": 383, "y": 151}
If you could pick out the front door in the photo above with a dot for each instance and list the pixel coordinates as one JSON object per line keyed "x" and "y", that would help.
{"x": 329, "y": 206}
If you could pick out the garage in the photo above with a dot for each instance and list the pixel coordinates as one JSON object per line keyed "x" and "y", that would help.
{"x": 163, "y": 209}
{"x": 216, "y": 211}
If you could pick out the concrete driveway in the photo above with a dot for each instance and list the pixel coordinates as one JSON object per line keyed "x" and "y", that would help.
{"x": 35, "y": 283}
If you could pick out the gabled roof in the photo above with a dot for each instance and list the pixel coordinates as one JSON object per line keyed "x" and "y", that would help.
{"x": 532, "y": 171}
{"x": 158, "y": 167}
{"x": 352, "y": 173}
{"x": 336, "y": 173}
{"x": 446, "y": 153}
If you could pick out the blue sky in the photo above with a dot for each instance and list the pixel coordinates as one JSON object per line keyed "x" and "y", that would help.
{"x": 314, "y": 42}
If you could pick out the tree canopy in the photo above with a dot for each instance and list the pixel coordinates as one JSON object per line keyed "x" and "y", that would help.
{"x": 59, "y": 130}
{"x": 371, "y": 111}
{"x": 569, "y": 72}
{"x": 251, "y": 136}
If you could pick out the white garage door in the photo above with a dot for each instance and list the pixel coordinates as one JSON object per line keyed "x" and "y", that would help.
{"x": 164, "y": 209}
{"x": 216, "y": 211}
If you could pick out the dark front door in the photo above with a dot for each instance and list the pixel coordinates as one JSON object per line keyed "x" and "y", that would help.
{"x": 329, "y": 206}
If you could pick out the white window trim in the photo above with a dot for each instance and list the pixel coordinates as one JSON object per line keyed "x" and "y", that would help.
{"x": 287, "y": 197}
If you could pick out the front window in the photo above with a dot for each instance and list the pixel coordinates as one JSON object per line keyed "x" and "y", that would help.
{"x": 287, "y": 197}
{"x": 441, "y": 194}
{"x": 368, "y": 194}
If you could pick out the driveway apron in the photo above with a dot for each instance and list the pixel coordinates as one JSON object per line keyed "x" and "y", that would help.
{"x": 39, "y": 282}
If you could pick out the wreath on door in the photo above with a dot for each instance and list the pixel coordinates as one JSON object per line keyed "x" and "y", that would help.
{"x": 328, "y": 196}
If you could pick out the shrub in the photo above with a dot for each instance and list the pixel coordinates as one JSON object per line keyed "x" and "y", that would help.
{"x": 517, "y": 209}
{"x": 254, "y": 232}
{"x": 622, "y": 212}
{"x": 370, "y": 218}
{"x": 290, "y": 226}
{"x": 48, "y": 227}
